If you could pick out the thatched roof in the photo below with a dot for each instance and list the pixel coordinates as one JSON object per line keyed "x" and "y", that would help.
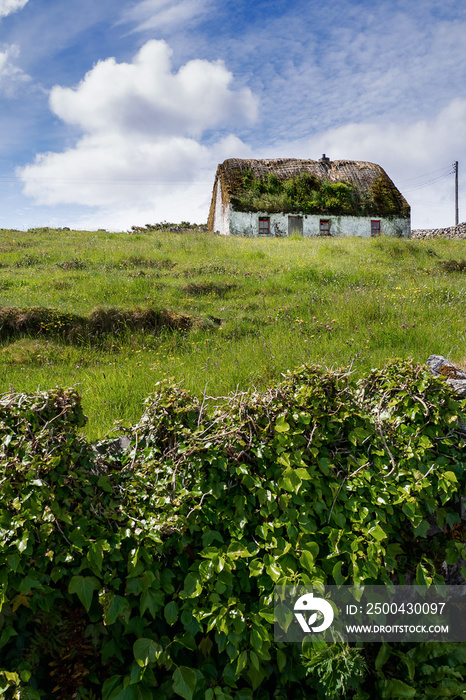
{"x": 372, "y": 189}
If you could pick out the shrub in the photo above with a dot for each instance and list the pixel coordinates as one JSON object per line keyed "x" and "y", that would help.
{"x": 149, "y": 572}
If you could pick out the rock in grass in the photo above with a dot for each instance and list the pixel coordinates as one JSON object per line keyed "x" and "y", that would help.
{"x": 454, "y": 376}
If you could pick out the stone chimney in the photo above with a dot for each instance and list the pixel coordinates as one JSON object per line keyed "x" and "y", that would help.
{"x": 324, "y": 160}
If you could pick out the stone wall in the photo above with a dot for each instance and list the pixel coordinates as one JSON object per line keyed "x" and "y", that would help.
{"x": 451, "y": 232}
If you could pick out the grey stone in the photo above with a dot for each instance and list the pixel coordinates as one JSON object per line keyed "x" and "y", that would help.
{"x": 436, "y": 362}
{"x": 449, "y": 232}
{"x": 459, "y": 385}
{"x": 454, "y": 376}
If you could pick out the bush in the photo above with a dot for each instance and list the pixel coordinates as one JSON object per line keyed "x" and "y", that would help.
{"x": 149, "y": 572}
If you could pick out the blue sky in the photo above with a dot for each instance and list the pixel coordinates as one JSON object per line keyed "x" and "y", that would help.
{"x": 116, "y": 113}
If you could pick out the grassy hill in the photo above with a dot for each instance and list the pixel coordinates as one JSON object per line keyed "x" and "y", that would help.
{"x": 115, "y": 313}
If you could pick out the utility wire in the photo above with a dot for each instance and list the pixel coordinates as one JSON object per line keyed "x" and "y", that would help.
{"x": 428, "y": 183}
{"x": 434, "y": 172}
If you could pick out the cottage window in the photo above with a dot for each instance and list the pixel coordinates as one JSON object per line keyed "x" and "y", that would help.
{"x": 375, "y": 228}
{"x": 324, "y": 228}
{"x": 264, "y": 226}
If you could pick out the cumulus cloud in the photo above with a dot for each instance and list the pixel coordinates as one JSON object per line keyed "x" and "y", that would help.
{"x": 145, "y": 97}
{"x": 9, "y": 6}
{"x": 160, "y": 14}
{"x": 142, "y": 130}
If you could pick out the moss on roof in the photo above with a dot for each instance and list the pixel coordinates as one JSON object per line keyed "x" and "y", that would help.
{"x": 340, "y": 187}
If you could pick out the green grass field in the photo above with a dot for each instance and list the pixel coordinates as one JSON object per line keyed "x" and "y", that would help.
{"x": 257, "y": 308}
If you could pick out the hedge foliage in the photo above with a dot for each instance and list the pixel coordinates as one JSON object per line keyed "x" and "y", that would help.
{"x": 148, "y": 573}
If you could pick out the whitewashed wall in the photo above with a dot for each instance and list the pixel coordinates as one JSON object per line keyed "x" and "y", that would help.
{"x": 221, "y": 213}
{"x": 247, "y": 224}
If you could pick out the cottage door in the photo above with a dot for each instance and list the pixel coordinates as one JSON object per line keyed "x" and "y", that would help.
{"x": 295, "y": 225}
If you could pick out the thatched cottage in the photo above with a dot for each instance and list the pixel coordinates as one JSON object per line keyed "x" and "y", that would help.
{"x": 288, "y": 196}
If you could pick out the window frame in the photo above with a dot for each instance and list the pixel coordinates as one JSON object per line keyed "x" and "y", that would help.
{"x": 374, "y": 230}
{"x": 324, "y": 231}
{"x": 264, "y": 231}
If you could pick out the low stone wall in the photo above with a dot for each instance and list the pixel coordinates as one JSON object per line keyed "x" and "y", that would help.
{"x": 450, "y": 232}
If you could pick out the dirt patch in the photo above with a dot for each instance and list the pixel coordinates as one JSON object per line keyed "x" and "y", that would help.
{"x": 74, "y": 264}
{"x": 453, "y": 265}
{"x": 135, "y": 261}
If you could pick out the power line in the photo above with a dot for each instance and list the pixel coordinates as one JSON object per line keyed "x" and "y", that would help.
{"x": 418, "y": 177}
{"x": 428, "y": 183}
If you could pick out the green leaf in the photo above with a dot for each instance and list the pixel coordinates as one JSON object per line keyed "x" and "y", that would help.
{"x": 129, "y": 693}
{"x": 104, "y": 483}
{"x": 281, "y": 426}
{"x": 409, "y": 509}
{"x": 450, "y": 476}
{"x": 377, "y": 532}
{"x": 422, "y": 529}
{"x": 95, "y": 556}
{"x": 12, "y": 677}
{"x": 192, "y": 587}
{"x": 290, "y": 480}
{"x": 307, "y": 560}
{"x": 358, "y": 435}
{"x": 395, "y": 689}
{"x": 255, "y": 663}
{"x": 205, "y": 646}
{"x": 119, "y": 607}
{"x": 422, "y": 578}
{"x": 383, "y": 656}
{"x": 324, "y": 464}
{"x": 184, "y": 682}
{"x": 242, "y": 661}
{"x": 339, "y": 518}
{"x": 6, "y": 634}
{"x": 452, "y": 519}
{"x": 13, "y": 561}
{"x": 152, "y": 601}
{"x": 281, "y": 660}
{"x": 110, "y": 686}
{"x": 145, "y": 651}
{"x": 410, "y": 665}
{"x": 256, "y": 567}
{"x": 84, "y": 587}
{"x": 171, "y": 612}
{"x": 336, "y": 573}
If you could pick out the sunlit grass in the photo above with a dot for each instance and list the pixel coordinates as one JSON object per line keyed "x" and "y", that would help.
{"x": 265, "y": 306}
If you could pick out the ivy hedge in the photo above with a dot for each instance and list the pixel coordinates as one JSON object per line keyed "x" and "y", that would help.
{"x": 148, "y": 572}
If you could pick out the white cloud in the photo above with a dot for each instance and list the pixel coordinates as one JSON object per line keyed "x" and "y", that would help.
{"x": 145, "y": 97}
{"x": 10, "y": 75}
{"x": 161, "y": 14}
{"x": 9, "y": 6}
{"x": 142, "y": 127}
